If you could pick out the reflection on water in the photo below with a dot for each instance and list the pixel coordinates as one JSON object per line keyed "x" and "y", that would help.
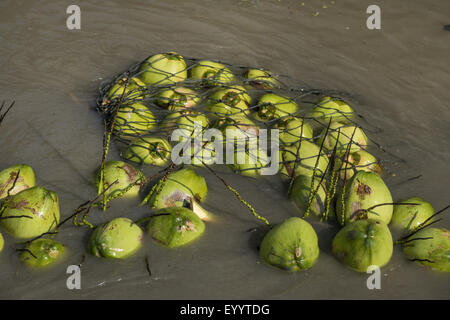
{"x": 397, "y": 78}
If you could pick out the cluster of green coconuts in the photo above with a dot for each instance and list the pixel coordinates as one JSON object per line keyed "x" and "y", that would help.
{"x": 179, "y": 219}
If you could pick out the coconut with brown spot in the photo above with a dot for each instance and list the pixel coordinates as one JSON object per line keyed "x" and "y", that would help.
{"x": 366, "y": 197}
{"x": 175, "y": 226}
{"x": 117, "y": 239}
{"x": 12, "y": 184}
{"x": 119, "y": 175}
{"x": 292, "y": 245}
{"x": 30, "y": 213}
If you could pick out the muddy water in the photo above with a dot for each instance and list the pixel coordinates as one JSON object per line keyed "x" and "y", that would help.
{"x": 398, "y": 78}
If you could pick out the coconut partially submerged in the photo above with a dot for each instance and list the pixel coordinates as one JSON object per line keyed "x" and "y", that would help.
{"x": 228, "y": 100}
{"x": 2, "y": 242}
{"x": 360, "y": 160}
{"x": 292, "y": 129}
{"x": 163, "y": 69}
{"x": 42, "y": 252}
{"x": 341, "y": 136}
{"x": 134, "y": 119}
{"x": 118, "y": 239}
{"x": 409, "y": 216}
{"x": 430, "y": 247}
{"x": 211, "y": 73}
{"x": 121, "y": 176}
{"x": 301, "y": 160}
{"x": 149, "y": 150}
{"x": 179, "y": 186}
{"x": 189, "y": 124}
{"x": 332, "y": 108}
{"x": 175, "y": 226}
{"x": 30, "y": 213}
{"x": 249, "y": 162}
{"x": 177, "y": 99}
{"x": 10, "y": 182}
{"x": 292, "y": 245}
{"x": 363, "y": 243}
{"x": 263, "y": 79}
{"x": 128, "y": 88}
{"x": 301, "y": 191}
{"x": 273, "y": 106}
{"x": 366, "y": 196}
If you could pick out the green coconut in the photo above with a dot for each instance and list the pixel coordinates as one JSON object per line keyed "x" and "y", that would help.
{"x": 357, "y": 161}
{"x": 303, "y": 159}
{"x": 273, "y": 106}
{"x": 130, "y": 89}
{"x": 118, "y": 238}
{"x": 341, "y": 136}
{"x": 180, "y": 186}
{"x": 163, "y": 69}
{"x": 175, "y": 226}
{"x": 238, "y": 126}
{"x": 409, "y": 217}
{"x": 134, "y": 119}
{"x": 363, "y": 243}
{"x": 430, "y": 247}
{"x": 292, "y": 129}
{"x": 149, "y": 150}
{"x": 125, "y": 175}
{"x": 186, "y": 122}
{"x": 203, "y": 154}
{"x": 2, "y": 242}
{"x": 42, "y": 252}
{"x": 211, "y": 73}
{"x": 177, "y": 99}
{"x": 25, "y": 180}
{"x": 301, "y": 190}
{"x": 291, "y": 245}
{"x": 332, "y": 107}
{"x": 249, "y": 162}
{"x": 363, "y": 192}
{"x": 36, "y": 210}
{"x": 262, "y": 79}
{"x": 228, "y": 100}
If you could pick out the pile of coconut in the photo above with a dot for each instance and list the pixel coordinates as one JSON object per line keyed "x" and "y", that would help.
{"x": 322, "y": 157}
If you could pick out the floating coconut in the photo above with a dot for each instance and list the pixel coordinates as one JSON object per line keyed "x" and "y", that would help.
{"x": 301, "y": 190}
{"x": 8, "y": 176}
{"x": 228, "y": 100}
{"x": 122, "y": 175}
{"x": 292, "y": 129}
{"x": 2, "y": 242}
{"x": 409, "y": 217}
{"x": 134, "y": 119}
{"x": 365, "y": 196}
{"x": 357, "y": 161}
{"x": 363, "y": 243}
{"x": 179, "y": 186}
{"x": 262, "y": 79}
{"x": 430, "y": 247}
{"x": 292, "y": 245}
{"x": 249, "y": 162}
{"x": 332, "y": 107}
{"x": 177, "y": 99}
{"x": 163, "y": 69}
{"x": 212, "y": 73}
{"x": 341, "y": 135}
{"x": 273, "y": 106}
{"x": 42, "y": 252}
{"x": 149, "y": 150}
{"x": 175, "y": 226}
{"x": 295, "y": 160}
{"x": 118, "y": 239}
{"x": 30, "y": 213}
{"x": 129, "y": 89}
